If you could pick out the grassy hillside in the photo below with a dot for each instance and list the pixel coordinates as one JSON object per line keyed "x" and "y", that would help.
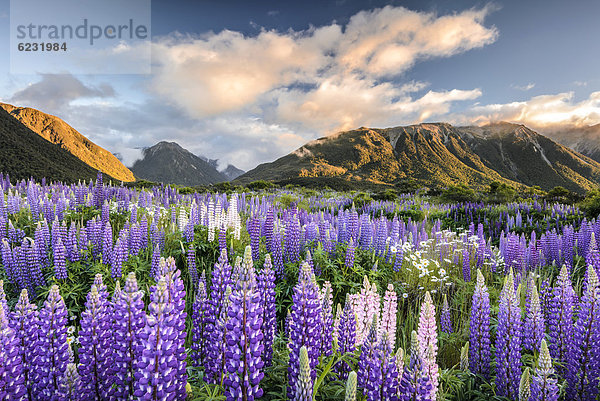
{"x": 25, "y": 154}
{"x": 59, "y": 132}
{"x": 435, "y": 155}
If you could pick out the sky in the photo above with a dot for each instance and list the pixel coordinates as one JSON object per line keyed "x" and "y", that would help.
{"x": 248, "y": 82}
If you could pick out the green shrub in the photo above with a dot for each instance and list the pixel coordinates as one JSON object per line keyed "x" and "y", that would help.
{"x": 459, "y": 193}
{"x": 591, "y": 204}
{"x": 361, "y": 199}
{"x": 260, "y": 184}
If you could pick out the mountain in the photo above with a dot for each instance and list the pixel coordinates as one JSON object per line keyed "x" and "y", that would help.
{"x": 59, "y": 132}
{"x": 231, "y": 172}
{"x": 168, "y": 162}
{"x": 25, "y": 154}
{"x": 434, "y": 155}
{"x": 585, "y": 140}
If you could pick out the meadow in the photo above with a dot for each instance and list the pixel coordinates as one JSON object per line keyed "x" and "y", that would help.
{"x": 116, "y": 293}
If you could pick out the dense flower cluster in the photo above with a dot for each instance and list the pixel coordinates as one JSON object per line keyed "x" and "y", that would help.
{"x": 119, "y": 348}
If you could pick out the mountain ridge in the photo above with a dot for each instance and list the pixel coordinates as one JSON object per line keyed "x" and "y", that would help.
{"x": 57, "y": 131}
{"x": 170, "y": 163}
{"x": 24, "y": 154}
{"x": 434, "y": 155}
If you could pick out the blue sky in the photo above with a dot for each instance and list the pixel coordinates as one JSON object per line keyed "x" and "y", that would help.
{"x": 247, "y": 83}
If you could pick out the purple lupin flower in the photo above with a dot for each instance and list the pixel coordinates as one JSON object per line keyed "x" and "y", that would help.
{"x": 24, "y": 322}
{"x": 583, "y": 364}
{"x": 292, "y": 240}
{"x": 72, "y": 249}
{"x": 12, "y": 379}
{"x": 157, "y": 367}
{"x": 191, "y": 265}
{"x": 369, "y": 365}
{"x": 268, "y": 228}
{"x": 305, "y": 326}
{"x": 349, "y": 260}
{"x": 466, "y": 264}
{"x": 561, "y": 320}
{"x": 34, "y": 265}
{"x": 346, "y": 338}
{"x": 593, "y": 255}
{"x": 222, "y": 239}
{"x": 221, "y": 280}
{"x": 244, "y": 336}
{"x": 277, "y": 254}
{"x": 129, "y": 319}
{"x": 446, "y": 319}
{"x": 427, "y": 335}
{"x": 535, "y": 327}
{"x": 399, "y": 258}
{"x": 266, "y": 288}
{"x": 176, "y": 292}
{"x": 217, "y": 352}
{"x": 253, "y": 228}
{"x": 327, "y": 313}
{"x": 60, "y": 263}
{"x": 543, "y": 385}
{"x": 479, "y": 339}
{"x": 96, "y": 345}
{"x": 389, "y": 371}
{"x": 508, "y": 341}
{"x": 199, "y": 318}
{"x": 546, "y": 297}
{"x": 69, "y": 388}
{"x": 107, "y": 244}
{"x": 119, "y": 255}
{"x": 52, "y": 351}
{"x": 155, "y": 262}
{"x": 415, "y": 383}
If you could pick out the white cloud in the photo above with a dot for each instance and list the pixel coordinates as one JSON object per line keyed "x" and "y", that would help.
{"x": 250, "y": 99}
{"x": 539, "y": 111}
{"x": 56, "y": 90}
{"x": 228, "y": 71}
{"x": 523, "y": 88}
{"x": 341, "y": 104}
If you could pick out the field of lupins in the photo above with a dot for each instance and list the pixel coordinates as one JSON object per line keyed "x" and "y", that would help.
{"x": 113, "y": 293}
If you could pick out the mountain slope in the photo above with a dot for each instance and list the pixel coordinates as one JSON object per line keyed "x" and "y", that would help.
{"x": 25, "y": 154}
{"x": 168, "y": 162}
{"x": 59, "y": 132}
{"x": 585, "y": 140}
{"x": 436, "y": 155}
{"x": 231, "y": 172}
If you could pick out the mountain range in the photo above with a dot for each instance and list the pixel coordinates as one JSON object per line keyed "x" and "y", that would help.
{"x": 434, "y": 155}
{"x": 168, "y": 162}
{"x": 585, "y": 140}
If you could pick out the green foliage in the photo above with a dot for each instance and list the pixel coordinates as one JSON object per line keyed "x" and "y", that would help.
{"x": 260, "y": 184}
{"x": 141, "y": 184}
{"x": 361, "y": 199}
{"x": 562, "y": 195}
{"x": 459, "y": 193}
{"x": 407, "y": 186}
{"x": 387, "y": 195}
{"x": 500, "y": 192}
{"x": 591, "y": 204}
